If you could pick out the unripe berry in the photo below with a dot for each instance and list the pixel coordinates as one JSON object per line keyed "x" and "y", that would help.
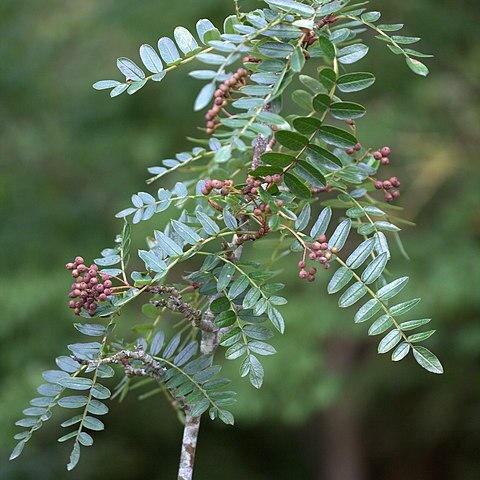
{"x": 395, "y": 182}
{"x": 79, "y": 260}
{"x": 102, "y": 297}
{"x": 75, "y": 273}
{"x": 322, "y": 238}
{"x": 385, "y": 161}
{"x": 350, "y": 151}
{"x": 316, "y": 245}
{"x": 357, "y": 147}
{"x": 303, "y": 274}
{"x": 334, "y": 250}
{"x": 396, "y": 193}
{"x": 387, "y": 185}
{"x": 279, "y": 203}
{"x": 377, "y": 155}
{"x": 378, "y": 185}
{"x": 388, "y": 197}
{"x": 326, "y": 266}
{"x": 107, "y": 283}
{"x": 69, "y": 266}
{"x": 312, "y": 270}
{"x": 312, "y": 256}
{"x": 328, "y": 255}
{"x": 386, "y": 151}
{"x": 277, "y": 178}
{"x": 301, "y": 264}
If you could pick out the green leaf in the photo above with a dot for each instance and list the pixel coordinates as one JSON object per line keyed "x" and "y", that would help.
{"x": 347, "y": 110}
{"x": 352, "y": 295}
{"x": 368, "y": 310}
{"x": 400, "y": 352}
{"x": 225, "y": 276}
{"x": 74, "y": 401}
{"x": 291, "y": 140}
{"x": 157, "y": 343}
{"x": 100, "y": 392}
{"x": 404, "y": 307}
{"x": 255, "y": 372}
{"x": 17, "y": 451}
{"x": 97, "y": 408}
{"x": 360, "y": 254}
{"x": 185, "y": 40}
{"x": 76, "y": 383}
{"x": 105, "y": 84}
{"x": 292, "y": 7}
{"x": 321, "y": 102}
{"x": 393, "y": 288}
{"x": 339, "y": 279}
{"x": 152, "y": 261}
{"x": 323, "y": 158}
{"x": 382, "y": 324}
{"x": 321, "y": 224}
{"x": 389, "y": 341}
{"x": 261, "y": 348}
{"x": 420, "y": 69}
{"x": 296, "y": 187}
{"x": 426, "y": 359}
{"x": 130, "y": 69}
{"x": 167, "y": 245}
{"x": 340, "y": 235}
{"x": 168, "y": 51}
{"x": 310, "y": 174}
{"x": 150, "y": 59}
{"x": 352, "y": 53}
{"x": 412, "y": 324}
{"x": 74, "y": 457}
{"x": 303, "y": 218}
{"x": 420, "y": 337}
{"x": 220, "y": 304}
{"x": 92, "y": 330}
{"x": 85, "y": 439}
{"x": 185, "y": 232}
{"x": 210, "y": 227}
{"x": 276, "y": 318}
{"x": 277, "y": 159}
{"x": 354, "y": 82}
{"x": 275, "y": 49}
{"x": 337, "y": 137}
{"x": 374, "y": 269}
{"x": 238, "y": 287}
{"x": 307, "y": 125}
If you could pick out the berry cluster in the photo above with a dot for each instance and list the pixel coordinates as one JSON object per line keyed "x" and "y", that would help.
{"x": 387, "y": 185}
{"x": 354, "y": 149}
{"x": 90, "y": 287}
{"x": 382, "y": 155}
{"x": 224, "y": 91}
{"x": 223, "y": 186}
{"x": 251, "y": 188}
{"x": 319, "y": 252}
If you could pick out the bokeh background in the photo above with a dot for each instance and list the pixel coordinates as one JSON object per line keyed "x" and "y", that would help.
{"x": 331, "y": 408}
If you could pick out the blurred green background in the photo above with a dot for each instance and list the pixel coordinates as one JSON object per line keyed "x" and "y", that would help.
{"x": 330, "y": 408}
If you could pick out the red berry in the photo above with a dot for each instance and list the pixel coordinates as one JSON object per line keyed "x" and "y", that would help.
{"x": 357, "y": 147}
{"x": 386, "y": 151}
{"x": 350, "y": 151}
